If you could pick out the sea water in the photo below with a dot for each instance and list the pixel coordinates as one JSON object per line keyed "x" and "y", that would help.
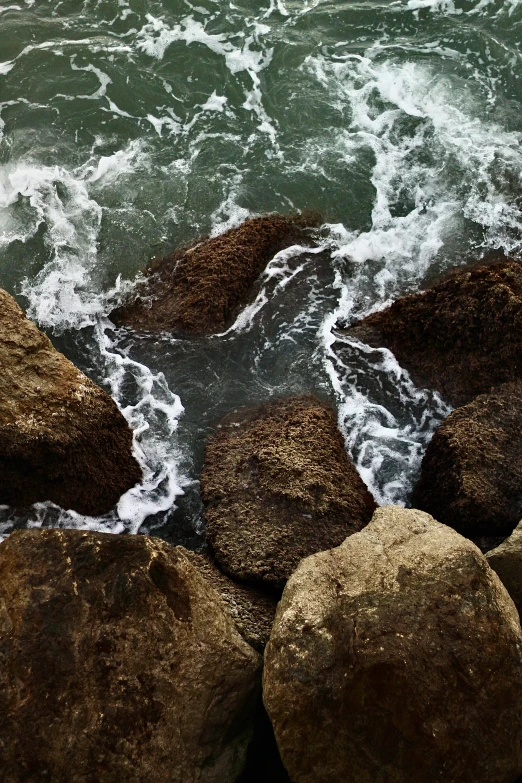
{"x": 129, "y": 128}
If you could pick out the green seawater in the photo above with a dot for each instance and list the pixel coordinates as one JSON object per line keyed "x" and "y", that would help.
{"x": 131, "y": 127}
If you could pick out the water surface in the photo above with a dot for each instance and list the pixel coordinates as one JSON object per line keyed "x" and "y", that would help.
{"x": 131, "y": 127}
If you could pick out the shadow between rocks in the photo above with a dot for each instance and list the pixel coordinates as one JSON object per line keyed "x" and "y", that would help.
{"x": 264, "y": 763}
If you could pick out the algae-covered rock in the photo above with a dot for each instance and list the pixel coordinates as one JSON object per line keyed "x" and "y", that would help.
{"x": 198, "y": 289}
{"x": 62, "y": 438}
{"x": 277, "y": 485}
{"x": 397, "y": 658}
{"x": 462, "y": 336}
{"x": 119, "y": 664}
{"x": 471, "y": 474}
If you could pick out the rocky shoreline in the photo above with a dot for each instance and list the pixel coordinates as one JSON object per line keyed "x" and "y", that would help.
{"x": 392, "y": 644}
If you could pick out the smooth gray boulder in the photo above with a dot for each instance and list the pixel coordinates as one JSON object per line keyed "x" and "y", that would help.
{"x": 397, "y": 658}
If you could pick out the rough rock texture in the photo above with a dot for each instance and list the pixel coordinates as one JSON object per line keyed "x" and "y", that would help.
{"x": 62, "y": 438}
{"x": 118, "y": 663}
{"x": 506, "y": 560}
{"x": 471, "y": 475}
{"x": 252, "y": 610}
{"x": 198, "y": 289}
{"x": 397, "y": 658}
{"x": 278, "y": 485}
{"x": 462, "y": 336}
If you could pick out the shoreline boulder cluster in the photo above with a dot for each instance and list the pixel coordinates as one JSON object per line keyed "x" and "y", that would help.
{"x": 392, "y": 645}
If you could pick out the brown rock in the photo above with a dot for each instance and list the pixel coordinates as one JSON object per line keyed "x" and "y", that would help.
{"x": 506, "y": 561}
{"x": 278, "y": 485}
{"x": 252, "y": 610}
{"x": 462, "y": 336}
{"x": 62, "y": 438}
{"x": 198, "y": 290}
{"x": 397, "y": 657}
{"x": 119, "y": 663}
{"x": 471, "y": 474}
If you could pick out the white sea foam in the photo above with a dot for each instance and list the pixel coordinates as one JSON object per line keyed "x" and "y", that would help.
{"x": 153, "y": 415}
{"x": 444, "y": 134}
{"x": 386, "y": 420}
{"x": 229, "y": 213}
{"x": 157, "y": 35}
{"x": 279, "y": 272}
{"x": 442, "y": 6}
{"x": 107, "y": 169}
{"x": 437, "y": 168}
{"x": 64, "y": 295}
{"x": 59, "y": 296}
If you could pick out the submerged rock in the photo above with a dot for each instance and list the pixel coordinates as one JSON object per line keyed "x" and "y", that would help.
{"x": 462, "y": 336}
{"x": 471, "y": 474}
{"x": 119, "y": 663}
{"x": 252, "y": 610}
{"x": 62, "y": 438}
{"x": 506, "y": 561}
{"x": 397, "y": 657}
{"x": 197, "y": 290}
{"x": 277, "y": 485}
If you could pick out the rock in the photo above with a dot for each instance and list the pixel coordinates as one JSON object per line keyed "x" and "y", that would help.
{"x": 506, "y": 561}
{"x": 119, "y": 663}
{"x": 471, "y": 474}
{"x": 62, "y": 438}
{"x": 277, "y": 485}
{"x": 397, "y": 657}
{"x": 252, "y": 610}
{"x": 198, "y": 290}
{"x": 461, "y": 337}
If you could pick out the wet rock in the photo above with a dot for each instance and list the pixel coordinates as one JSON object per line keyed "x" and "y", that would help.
{"x": 506, "y": 561}
{"x": 119, "y": 663}
{"x": 198, "y": 290}
{"x": 277, "y": 485}
{"x": 252, "y": 610}
{"x": 397, "y": 657}
{"x": 471, "y": 474}
{"x": 462, "y": 336}
{"x": 62, "y": 438}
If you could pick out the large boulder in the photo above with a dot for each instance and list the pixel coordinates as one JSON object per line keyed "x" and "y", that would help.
{"x": 462, "y": 336}
{"x": 118, "y": 663}
{"x": 62, "y": 438}
{"x": 278, "y": 485}
{"x": 198, "y": 290}
{"x": 471, "y": 474}
{"x": 397, "y": 657}
{"x": 506, "y": 561}
{"x": 252, "y": 609}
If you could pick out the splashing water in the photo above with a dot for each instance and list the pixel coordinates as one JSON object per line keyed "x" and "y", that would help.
{"x": 399, "y": 122}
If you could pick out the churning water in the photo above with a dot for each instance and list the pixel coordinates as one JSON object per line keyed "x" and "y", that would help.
{"x": 130, "y": 127}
